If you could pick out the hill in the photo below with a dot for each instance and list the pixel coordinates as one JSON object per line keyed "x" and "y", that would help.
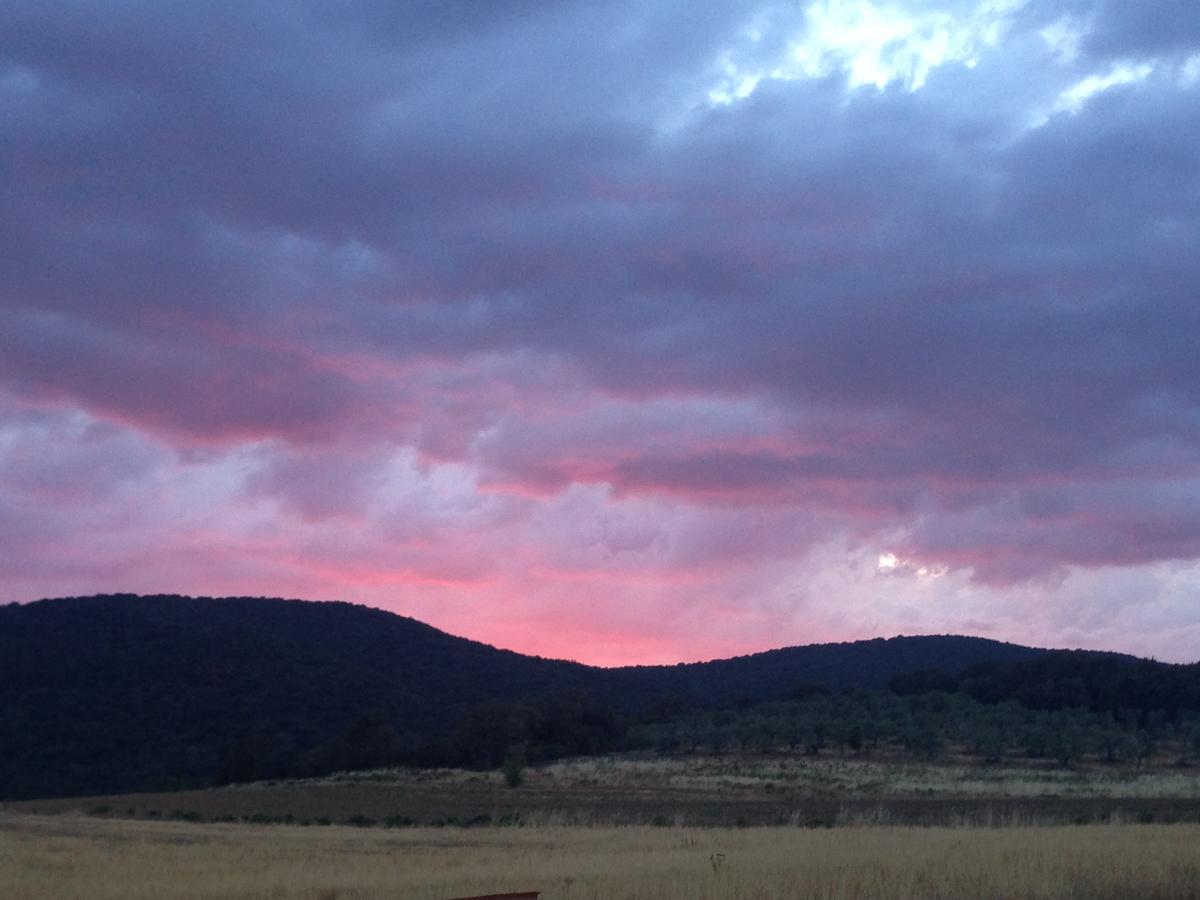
{"x": 123, "y": 692}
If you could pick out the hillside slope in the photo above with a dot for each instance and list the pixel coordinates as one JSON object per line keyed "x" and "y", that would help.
{"x": 118, "y": 692}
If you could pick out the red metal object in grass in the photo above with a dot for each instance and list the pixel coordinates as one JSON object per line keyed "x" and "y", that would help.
{"x": 520, "y": 895}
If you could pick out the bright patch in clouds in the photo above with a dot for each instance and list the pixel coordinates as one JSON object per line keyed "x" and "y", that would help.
{"x": 1073, "y": 98}
{"x": 877, "y": 44}
{"x": 891, "y": 564}
{"x": 1063, "y": 38}
{"x": 1189, "y": 73}
{"x": 872, "y": 43}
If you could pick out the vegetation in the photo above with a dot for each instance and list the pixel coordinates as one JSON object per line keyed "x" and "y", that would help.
{"x": 1100, "y": 682}
{"x": 116, "y": 693}
{"x": 93, "y": 859}
{"x": 695, "y": 790}
{"x": 331, "y": 710}
{"x": 122, "y": 693}
{"x": 928, "y": 725}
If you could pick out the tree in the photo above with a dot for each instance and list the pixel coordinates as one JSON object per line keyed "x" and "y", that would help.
{"x": 1145, "y": 746}
{"x": 514, "y": 766}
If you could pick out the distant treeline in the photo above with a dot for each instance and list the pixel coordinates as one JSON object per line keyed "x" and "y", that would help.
{"x": 1062, "y": 705}
{"x": 568, "y": 723}
{"x": 926, "y": 725}
{"x": 1065, "y": 707}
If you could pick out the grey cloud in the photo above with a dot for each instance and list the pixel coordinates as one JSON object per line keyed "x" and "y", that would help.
{"x": 274, "y": 221}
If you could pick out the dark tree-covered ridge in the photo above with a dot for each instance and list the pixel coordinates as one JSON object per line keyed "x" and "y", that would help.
{"x": 123, "y": 692}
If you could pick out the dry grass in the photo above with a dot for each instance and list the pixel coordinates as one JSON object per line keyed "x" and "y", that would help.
{"x": 849, "y": 776}
{"x": 728, "y": 790}
{"x": 72, "y": 858}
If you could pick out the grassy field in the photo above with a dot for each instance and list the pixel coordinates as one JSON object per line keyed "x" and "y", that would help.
{"x": 687, "y": 791}
{"x": 83, "y": 858}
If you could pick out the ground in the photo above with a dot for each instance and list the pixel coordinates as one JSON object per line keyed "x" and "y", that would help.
{"x": 84, "y": 858}
{"x": 729, "y": 790}
{"x": 628, "y": 828}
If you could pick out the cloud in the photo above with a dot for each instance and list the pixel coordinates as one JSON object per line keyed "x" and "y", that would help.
{"x": 1139, "y": 30}
{"x": 512, "y": 314}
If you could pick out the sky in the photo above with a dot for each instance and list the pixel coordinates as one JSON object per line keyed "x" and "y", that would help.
{"x": 628, "y": 332}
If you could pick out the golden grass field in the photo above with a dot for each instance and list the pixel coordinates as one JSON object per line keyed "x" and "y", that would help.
{"x": 80, "y": 858}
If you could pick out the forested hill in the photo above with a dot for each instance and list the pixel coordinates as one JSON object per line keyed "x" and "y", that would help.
{"x": 773, "y": 674}
{"x": 122, "y": 692}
